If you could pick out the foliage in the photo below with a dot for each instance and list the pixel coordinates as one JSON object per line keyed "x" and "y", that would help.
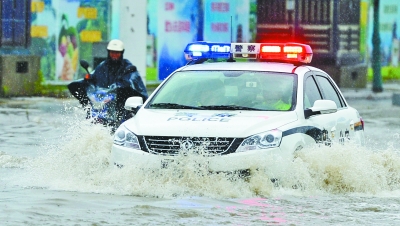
{"x": 388, "y": 73}
{"x": 253, "y": 20}
{"x": 4, "y": 90}
{"x": 151, "y": 74}
{"x": 37, "y": 85}
{"x": 50, "y": 90}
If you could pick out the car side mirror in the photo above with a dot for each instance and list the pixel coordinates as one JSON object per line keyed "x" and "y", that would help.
{"x": 133, "y": 104}
{"x": 321, "y": 107}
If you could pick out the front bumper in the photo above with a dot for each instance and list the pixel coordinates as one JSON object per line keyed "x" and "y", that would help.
{"x": 122, "y": 156}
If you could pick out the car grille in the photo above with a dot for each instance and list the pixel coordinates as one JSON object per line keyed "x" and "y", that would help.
{"x": 165, "y": 145}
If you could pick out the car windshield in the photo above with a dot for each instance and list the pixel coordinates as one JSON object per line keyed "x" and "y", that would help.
{"x": 227, "y": 90}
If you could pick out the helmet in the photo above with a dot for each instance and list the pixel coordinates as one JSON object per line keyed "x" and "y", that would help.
{"x": 115, "y": 45}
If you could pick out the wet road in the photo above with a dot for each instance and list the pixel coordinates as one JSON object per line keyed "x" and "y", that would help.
{"x": 382, "y": 121}
{"x": 54, "y": 171}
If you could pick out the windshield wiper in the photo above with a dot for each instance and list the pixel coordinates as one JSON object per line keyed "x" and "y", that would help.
{"x": 228, "y": 107}
{"x": 173, "y": 106}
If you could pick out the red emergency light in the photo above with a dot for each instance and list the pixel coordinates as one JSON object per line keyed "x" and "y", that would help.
{"x": 292, "y": 52}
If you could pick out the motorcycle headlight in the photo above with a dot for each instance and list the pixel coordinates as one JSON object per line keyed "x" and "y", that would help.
{"x": 269, "y": 139}
{"x": 124, "y": 137}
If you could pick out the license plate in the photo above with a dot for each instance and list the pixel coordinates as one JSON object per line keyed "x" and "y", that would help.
{"x": 166, "y": 162}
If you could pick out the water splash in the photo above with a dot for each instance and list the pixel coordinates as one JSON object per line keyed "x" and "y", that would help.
{"x": 345, "y": 169}
{"x": 79, "y": 161}
{"x": 9, "y": 161}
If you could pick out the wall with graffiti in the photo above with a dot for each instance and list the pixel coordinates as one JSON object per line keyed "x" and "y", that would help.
{"x": 174, "y": 23}
{"x": 63, "y": 31}
{"x": 389, "y": 20}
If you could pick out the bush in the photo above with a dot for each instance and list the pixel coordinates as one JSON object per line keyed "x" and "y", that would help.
{"x": 387, "y": 72}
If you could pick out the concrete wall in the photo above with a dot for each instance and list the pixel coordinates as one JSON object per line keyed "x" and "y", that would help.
{"x": 133, "y": 32}
{"x": 351, "y": 76}
{"x": 18, "y": 74}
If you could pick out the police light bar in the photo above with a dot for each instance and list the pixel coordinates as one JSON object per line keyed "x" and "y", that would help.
{"x": 292, "y": 52}
{"x": 207, "y": 50}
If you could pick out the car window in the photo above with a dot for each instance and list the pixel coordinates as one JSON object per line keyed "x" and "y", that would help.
{"x": 329, "y": 91}
{"x": 232, "y": 89}
{"x": 311, "y": 92}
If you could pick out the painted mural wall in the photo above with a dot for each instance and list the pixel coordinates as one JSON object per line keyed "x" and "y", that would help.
{"x": 174, "y": 23}
{"x": 63, "y": 32}
{"x": 389, "y": 21}
{"x": 178, "y": 24}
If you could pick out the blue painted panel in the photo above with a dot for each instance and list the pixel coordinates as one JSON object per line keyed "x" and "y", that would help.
{"x": 15, "y": 22}
{"x": 7, "y": 12}
{"x": 6, "y": 31}
{"x": 20, "y": 10}
{"x": 19, "y": 33}
{"x": 7, "y": 9}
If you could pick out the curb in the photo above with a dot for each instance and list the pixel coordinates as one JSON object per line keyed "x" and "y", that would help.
{"x": 389, "y": 91}
{"x": 368, "y": 95}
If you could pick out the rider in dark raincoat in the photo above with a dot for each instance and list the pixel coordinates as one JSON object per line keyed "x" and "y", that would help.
{"x": 112, "y": 72}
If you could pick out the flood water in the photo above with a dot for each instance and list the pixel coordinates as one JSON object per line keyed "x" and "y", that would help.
{"x": 54, "y": 171}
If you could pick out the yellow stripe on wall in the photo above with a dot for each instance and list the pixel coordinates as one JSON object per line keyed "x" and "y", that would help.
{"x": 87, "y": 12}
{"x": 90, "y": 36}
{"x": 39, "y": 31}
{"x": 37, "y": 7}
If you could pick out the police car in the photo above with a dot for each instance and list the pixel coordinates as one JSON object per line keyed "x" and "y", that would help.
{"x": 236, "y": 104}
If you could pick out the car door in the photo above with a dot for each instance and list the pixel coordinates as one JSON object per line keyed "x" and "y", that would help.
{"x": 345, "y": 116}
{"x": 330, "y": 127}
{"x": 319, "y": 126}
{"x": 326, "y": 128}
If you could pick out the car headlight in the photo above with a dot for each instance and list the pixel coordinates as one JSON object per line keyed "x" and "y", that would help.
{"x": 269, "y": 139}
{"x": 124, "y": 137}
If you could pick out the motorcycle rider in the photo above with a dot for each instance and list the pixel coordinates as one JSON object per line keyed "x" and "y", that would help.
{"x": 115, "y": 72}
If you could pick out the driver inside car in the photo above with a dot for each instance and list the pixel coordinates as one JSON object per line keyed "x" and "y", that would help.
{"x": 275, "y": 99}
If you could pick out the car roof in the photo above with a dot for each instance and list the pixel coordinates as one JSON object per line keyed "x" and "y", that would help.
{"x": 252, "y": 66}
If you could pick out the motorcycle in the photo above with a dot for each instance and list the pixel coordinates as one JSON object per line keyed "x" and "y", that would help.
{"x": 102, "y": 104}
{"x": 102, "y": 107}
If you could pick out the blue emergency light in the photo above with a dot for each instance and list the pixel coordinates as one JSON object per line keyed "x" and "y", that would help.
{"x": 207, "y": 50}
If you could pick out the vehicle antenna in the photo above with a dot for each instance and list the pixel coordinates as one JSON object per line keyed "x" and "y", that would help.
{"x": 231, "y": 57}
{"x": 231, "y": 30}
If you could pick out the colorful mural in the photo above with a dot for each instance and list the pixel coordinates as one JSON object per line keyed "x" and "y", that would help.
{"x": 226, "y": 21}
{"x": 63, "y": 32}
{"x": 67, "y": 46}
{"x": 43, "y": 33}
{"x": 389, "y": 20}
{"x": 176, "y": 23}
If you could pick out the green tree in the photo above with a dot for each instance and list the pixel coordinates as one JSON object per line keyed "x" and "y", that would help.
{"x": 376, "y": 52}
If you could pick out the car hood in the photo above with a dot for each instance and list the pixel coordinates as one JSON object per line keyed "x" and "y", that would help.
{"x": 167, "y": 122}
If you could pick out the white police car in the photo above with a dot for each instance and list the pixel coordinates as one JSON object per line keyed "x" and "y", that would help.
{"x": 237, "y": 113}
